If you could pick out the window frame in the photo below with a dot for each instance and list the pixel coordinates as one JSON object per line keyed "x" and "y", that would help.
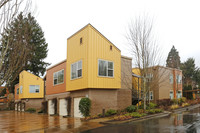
{"x": 107, "y": 61}
{"x": 34, "y": 88}
{"x": 58, "y": 76}
{"x": 171, "y": 79}
{"x": 171, "y": 91}
{"x": 77, "y": 70}
{"x": 150, "y": 94}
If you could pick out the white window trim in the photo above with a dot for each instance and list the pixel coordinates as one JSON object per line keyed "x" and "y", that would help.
{"x": 57, "y": 79}
{"x": 171, "y": 76}
{"x": 107, "y": 69}
{"x": 35, "y": 89}
{"x": 150, "y": 92}
{"x": 77, "y": 70}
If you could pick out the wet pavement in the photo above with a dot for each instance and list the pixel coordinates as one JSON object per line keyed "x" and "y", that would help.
{"x": 186, "y": 122}
{"x": 14, "y": 122}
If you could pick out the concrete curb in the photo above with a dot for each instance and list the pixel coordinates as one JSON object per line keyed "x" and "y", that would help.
{"x": 165, "y": 113}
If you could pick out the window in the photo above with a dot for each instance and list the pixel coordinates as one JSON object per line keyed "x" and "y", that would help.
{"x": 110, "y": 47}
{"x": 58, "y": 77}
{"x": 149, "y": 77}
{"x": 179, "y": 94}
{"x": 171, "y": 79}
{"x": 178, "y": 79}
{"x": 76, "y": 70}
{"x": 34, "y": 88}
{"x": 171, "y": 95}
{"x": 105, "y": 68}
{"x": 21, "y": 87}
{"x": 81, "y": 40}
{"x": 151, "y": 95}
{"x": 17, "y": 91}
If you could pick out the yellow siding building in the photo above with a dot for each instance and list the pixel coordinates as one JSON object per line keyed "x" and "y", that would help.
{"x": 30, "y": 86}
{"x": 87, "y": 51}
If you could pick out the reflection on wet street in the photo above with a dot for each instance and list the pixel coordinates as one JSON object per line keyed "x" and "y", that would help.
{"x": 186, "y": 122}
{"x": 12, "y": 121}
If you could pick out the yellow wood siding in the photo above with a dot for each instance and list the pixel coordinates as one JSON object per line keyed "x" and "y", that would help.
{"x": 26, "y": 79}
{"x": 94, "y": 47}
{"x": 77, "y": 52}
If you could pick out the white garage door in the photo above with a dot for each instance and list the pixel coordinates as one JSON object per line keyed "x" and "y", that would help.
{"x": 77, "y": 113}
{"x": 16, "y": 106}
{"x": 63, "y": 107}
{"x": 51, "y": 107}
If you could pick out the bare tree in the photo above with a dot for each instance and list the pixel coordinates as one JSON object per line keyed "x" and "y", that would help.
{"x": 10, "y": 61}
{"x": 145, "y": 52}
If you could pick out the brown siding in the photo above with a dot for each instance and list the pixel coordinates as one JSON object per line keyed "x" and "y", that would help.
{"x": 33, "y": 103}
{"x": 126, "y": 73}
{"x": 60, "y": 88}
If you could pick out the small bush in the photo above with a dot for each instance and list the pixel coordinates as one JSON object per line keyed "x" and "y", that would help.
{"x": 131, "y": 108}
{"x": 41, "y": 111}
{"x": 174, "y": 106}
{"x": 135, "y": 114}
{"x": 141, "y": 111}
{"x": 152, "y": 105}
{"x": 175, "y": 101}
{"x": 185, "y": 104}
{"x": 84, "y": 106}
{"x": 110, "y": 112}
{"x": 181, "y": 100}
{"x": 151, "y": 111}
{"x": 158, "y": 110}
{"x": 31, "y": 110}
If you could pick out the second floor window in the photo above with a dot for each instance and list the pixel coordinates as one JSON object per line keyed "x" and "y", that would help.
{"x": 76, "y": 70}
{"x": 34, "y": 88}
{"x": 171, "y": 79}
{"x": 58, "y": 77}
{"x": 105, "y": 68}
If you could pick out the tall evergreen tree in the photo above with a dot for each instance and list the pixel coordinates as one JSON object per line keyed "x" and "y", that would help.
{"x": 173, "y": 59}
{"x": 31, "y": 39}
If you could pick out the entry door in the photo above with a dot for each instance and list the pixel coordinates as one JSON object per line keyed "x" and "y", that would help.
{"x": 51, "y": 107}
{"x": 63, "y": 107}
{"x": 23, "y": 106}
{"x": 77, "y": 112}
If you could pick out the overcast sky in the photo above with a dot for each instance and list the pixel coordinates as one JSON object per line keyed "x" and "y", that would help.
{"x": 176, "y": 22}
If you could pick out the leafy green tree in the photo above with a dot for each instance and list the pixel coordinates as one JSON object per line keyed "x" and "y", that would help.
{"x": 32, "y": 41}
{"x": 173, "y": 59}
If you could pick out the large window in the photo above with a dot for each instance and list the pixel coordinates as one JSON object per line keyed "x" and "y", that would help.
{"x": 105, "y": 68}
{"x": 58, "y": 77}
{"x": 76, "y": 70}
{"x": 34, "y": 88}
{"x": 21, "y": 87}
{"x": 171, "y": 94}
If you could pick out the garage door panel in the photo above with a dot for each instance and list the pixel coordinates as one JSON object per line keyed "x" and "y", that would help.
{"x": 63, "y": 107}
{"x": 77, "y": 112}
{"x": 51, "y": 107}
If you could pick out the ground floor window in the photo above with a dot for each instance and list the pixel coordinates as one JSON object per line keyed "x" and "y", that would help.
{"x": 171, "y": 95}
{"x": 151, "y": 95}
{"x": 179, "y": 94}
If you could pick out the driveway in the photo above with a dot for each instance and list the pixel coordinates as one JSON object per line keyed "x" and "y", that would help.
{"x": 13, "y": 121}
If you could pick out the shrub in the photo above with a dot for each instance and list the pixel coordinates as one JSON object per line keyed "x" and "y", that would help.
{"x": 175, "y": 101}
{"x": 181, "y": 100}
{"x": 140, "y": 111}
{"x": 41, "y": 111}
{"x": 152, "y": 105}
{"x": 151, "y": 111}
{"x": 131, "y": 108}
{"x": 110, "y": 112}
{"x": 31, "y": 110}
{"x": 174, "y": 106}
{"x": 158, "y": 110}
{"x": 185, "y": 104}
{"x": 84, "y": 106}
{"x": 135, "y": 114}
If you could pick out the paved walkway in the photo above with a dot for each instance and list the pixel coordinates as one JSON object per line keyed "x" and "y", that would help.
{"x": 12, "y": 121}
